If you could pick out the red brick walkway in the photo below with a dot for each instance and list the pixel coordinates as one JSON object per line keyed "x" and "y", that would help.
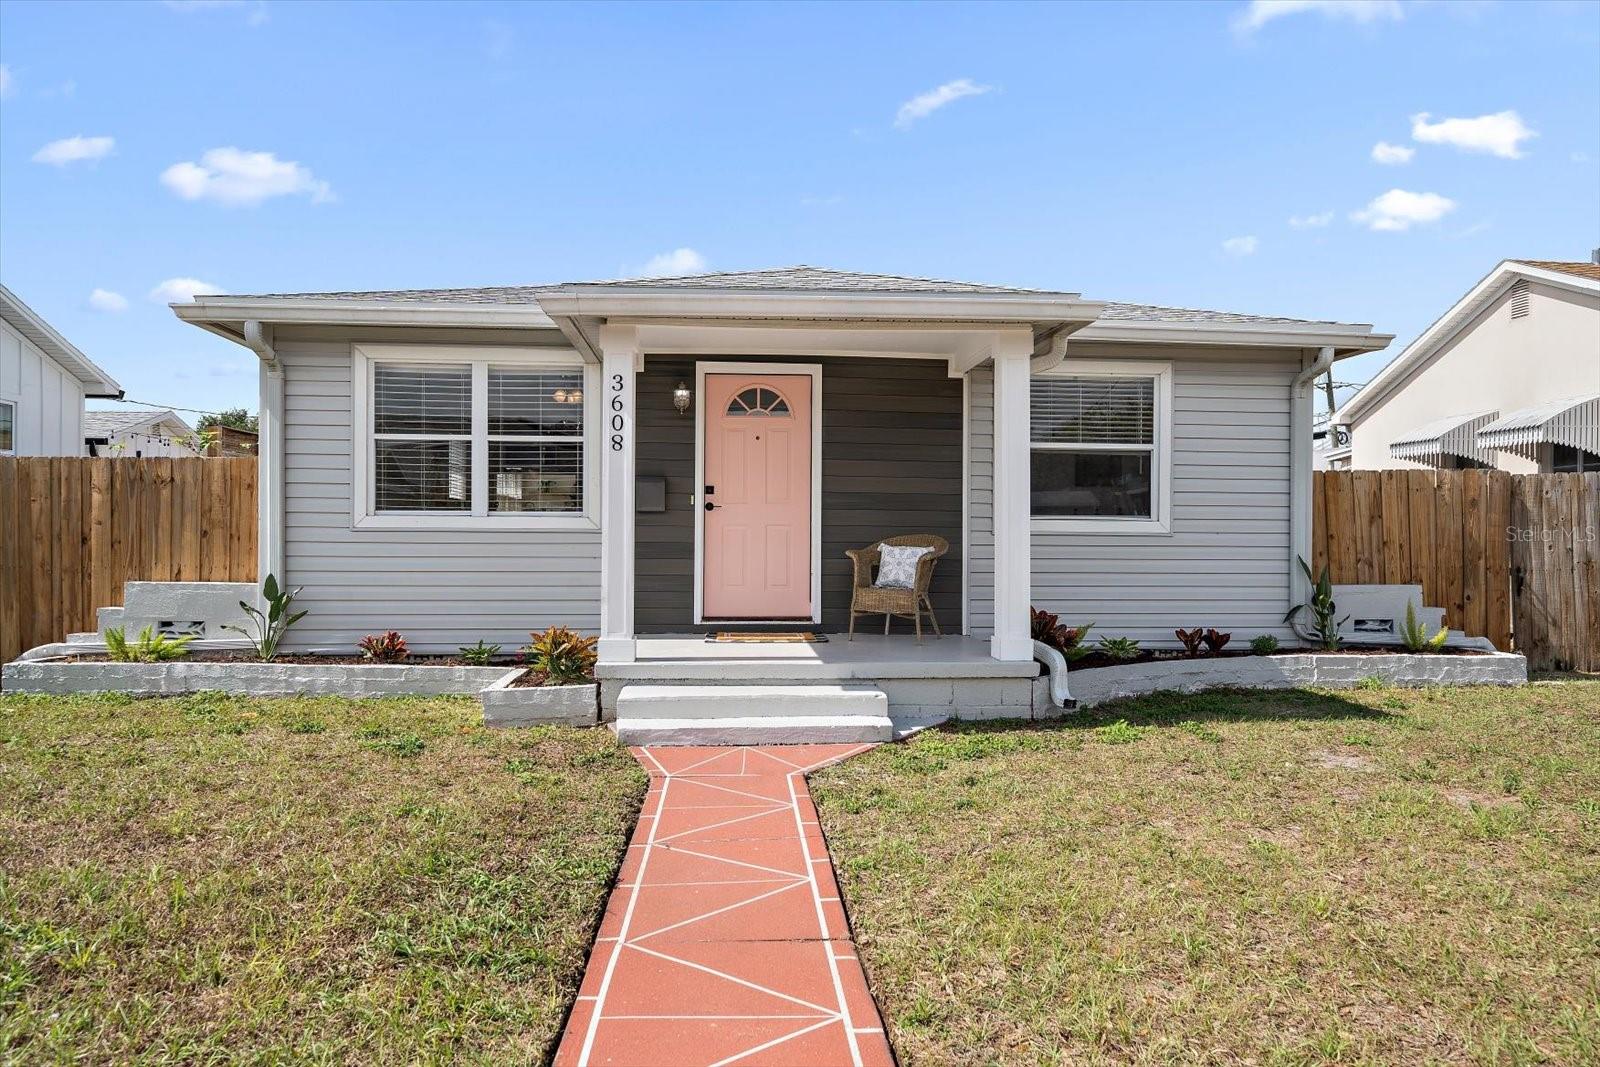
{"x": 725, "y": 941}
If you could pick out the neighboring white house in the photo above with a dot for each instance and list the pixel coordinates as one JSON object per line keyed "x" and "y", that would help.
{"x": 43, "y": 382}
{"x": 672, "y": 456}
{"x": 139, "y": 434}
{"x": 1507, "y": 378}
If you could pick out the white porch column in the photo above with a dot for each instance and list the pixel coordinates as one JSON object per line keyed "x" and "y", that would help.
{"x": 619, "y": 356}
{"x": 1013, "y": 553}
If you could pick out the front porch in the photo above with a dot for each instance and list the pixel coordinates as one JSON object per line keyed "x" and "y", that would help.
{"x": 947, "y": 677}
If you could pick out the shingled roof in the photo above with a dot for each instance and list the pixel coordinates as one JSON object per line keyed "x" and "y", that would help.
{"x": 800, "y": 278}
{"x": 1582, "y": 270}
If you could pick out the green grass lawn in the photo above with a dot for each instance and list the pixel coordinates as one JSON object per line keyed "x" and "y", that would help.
{"x": 215, "y": 879}
{"x": 1383, "y": 876}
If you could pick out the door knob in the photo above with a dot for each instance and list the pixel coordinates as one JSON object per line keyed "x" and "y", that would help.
{"x": 710, "y": 506}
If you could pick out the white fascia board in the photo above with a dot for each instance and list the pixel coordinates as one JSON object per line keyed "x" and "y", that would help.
{"x": 1449, "y": 325}
{"x": 932, "y": 307}
{"x": 1345, "y": 340}
{"x": 362, "y": 313}
{"x": 26, "y": 321}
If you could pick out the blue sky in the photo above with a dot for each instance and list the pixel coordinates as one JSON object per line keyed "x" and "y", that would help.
{"x": 1204, "y": 155}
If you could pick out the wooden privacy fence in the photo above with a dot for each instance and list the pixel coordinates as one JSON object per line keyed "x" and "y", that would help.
{"x": 73, "y": 530}
{"x": 1509, "y": 557}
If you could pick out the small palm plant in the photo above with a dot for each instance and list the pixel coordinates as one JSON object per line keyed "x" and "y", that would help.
{"x": 1323, "y": 629}
{"x": 1414, "y": 635}
{"x": 268, "y": 627}
{"x": 149, "y": 647}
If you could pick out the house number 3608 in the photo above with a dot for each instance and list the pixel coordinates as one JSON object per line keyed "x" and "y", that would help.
{"x": 619, "y": 421}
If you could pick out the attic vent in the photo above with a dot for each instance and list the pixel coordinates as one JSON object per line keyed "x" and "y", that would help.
{"x": 1519, "y": 300}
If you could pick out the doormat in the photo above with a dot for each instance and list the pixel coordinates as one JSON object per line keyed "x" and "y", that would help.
{"x": 788, "y": 637}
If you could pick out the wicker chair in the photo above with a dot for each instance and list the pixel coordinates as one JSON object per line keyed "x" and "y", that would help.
{"x": 868, "y": 599}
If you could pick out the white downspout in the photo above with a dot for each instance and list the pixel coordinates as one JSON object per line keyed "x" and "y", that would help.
{"x": 269, "y": 461}
{"x": 1300, "y": 472}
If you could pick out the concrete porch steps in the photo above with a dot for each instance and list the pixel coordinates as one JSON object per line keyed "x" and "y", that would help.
{"x": 752, "y": 714}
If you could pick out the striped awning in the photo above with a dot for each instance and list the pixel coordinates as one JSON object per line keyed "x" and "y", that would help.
{"x": 1574, "y": 421}
{"x": 1456, "y": 435}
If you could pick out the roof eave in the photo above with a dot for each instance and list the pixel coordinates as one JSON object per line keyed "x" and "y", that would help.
{"x": 225, "y": 311}
{"x": 96, "y": 382}
{"x": 1345, "y": 340}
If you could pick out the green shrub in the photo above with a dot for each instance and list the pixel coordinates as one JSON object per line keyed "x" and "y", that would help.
{"x": 480, "y": 654}
{"x": 1264, "y": 644}
{"x": 150, "y": 647}
{"x": 1415, "y": 636}
{"x": 1122, "y": 648}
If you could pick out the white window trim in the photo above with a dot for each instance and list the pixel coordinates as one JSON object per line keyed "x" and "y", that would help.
{"x": 12, "y": 404}
{"x": 480, "y": 357}
{"x": 1160, "y": 521}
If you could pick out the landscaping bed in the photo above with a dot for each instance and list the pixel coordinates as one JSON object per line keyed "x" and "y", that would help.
{"x": 1381, "y": 875}
{"x": 214, "y": 879}
{"x": 1096, "y": 660}
{"x": 245, "y": 676}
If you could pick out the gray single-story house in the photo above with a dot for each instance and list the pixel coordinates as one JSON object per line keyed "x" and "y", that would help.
{"x": 656, "y": 458}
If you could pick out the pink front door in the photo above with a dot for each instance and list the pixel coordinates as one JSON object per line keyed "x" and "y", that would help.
{"x": 758, "y": 485}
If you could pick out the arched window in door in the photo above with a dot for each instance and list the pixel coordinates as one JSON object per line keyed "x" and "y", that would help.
{"x": 758, "y": 400}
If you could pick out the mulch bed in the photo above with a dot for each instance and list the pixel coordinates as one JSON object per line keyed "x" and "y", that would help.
{"x": 1100, "y": 659}
{"x": 532, "y": 679}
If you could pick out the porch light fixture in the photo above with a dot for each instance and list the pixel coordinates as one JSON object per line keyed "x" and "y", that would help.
{"x": 681, "y": 397}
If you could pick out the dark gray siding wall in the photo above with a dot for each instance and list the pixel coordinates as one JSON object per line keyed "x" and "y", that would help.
{"x": 441, "y": 588}
{"x": 891, "y": 464}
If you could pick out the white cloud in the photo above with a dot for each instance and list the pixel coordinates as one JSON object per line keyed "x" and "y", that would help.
{"x": 925, "y": 104}
{"x": 75, "y": 150}
{"x": 1500, "y": 134}
{"x": 6, "y": 83}
{"x": 238, "y": 178}
{"x": 182, "y": 290}
{"x": 106, "y": 300}
{"x": 1240, "y": 246}
{"x": 1261, "y": 12}
{"x": 670, "y": 264}
{"x": 1311, "y": 222}
{"x": 1392, "y": 154}
{"x": 1400, "y": 210}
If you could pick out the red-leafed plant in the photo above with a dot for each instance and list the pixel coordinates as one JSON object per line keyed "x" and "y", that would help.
{"x": 1215, "y": 640}
{"x": 1068, "y": 640}
{"x": 388, "y": 647}
{"x": 1191, "y": 640}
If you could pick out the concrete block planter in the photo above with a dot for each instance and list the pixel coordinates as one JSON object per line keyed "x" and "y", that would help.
{"x": 247, "y": 679}
{"x": 505, "y": 704}
{"x": 1309, "y": 670}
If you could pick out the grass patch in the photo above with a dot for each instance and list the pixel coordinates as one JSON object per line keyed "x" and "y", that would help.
{"x": 1270, "y": 878}
{"x": 213, "y": 879}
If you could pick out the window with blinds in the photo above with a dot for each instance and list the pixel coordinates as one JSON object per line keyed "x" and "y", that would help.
{"x": 422, "y": 437}
{"x": 8, "y": 427}
{"x": 1093, "y": 446}
{"x": 521, "y": 442}
{"x": 535, "y": 440}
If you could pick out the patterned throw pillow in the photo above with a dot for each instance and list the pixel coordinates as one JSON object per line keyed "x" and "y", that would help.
{"x": 897, "y": 566}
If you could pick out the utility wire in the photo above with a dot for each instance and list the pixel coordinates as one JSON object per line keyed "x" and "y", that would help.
{"x": 171, "y": 407}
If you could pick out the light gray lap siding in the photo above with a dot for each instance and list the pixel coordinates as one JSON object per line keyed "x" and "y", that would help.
{"x": 440, "y": 588}
{"x": 1225, "y": 563}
